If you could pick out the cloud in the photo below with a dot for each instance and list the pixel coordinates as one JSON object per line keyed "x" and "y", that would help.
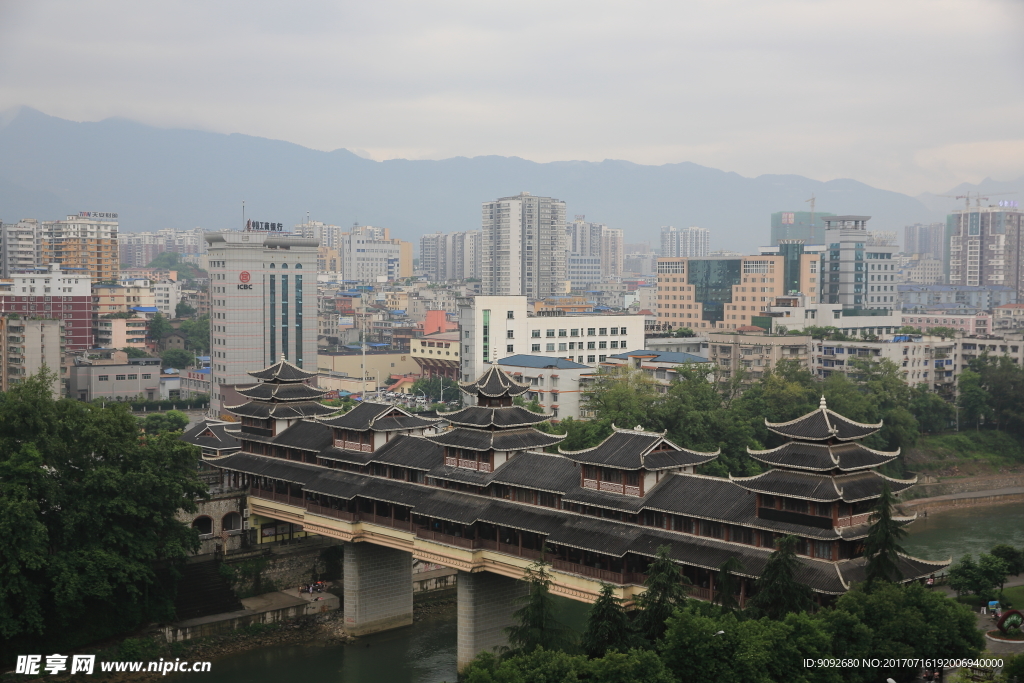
{"x": 898, "y": 95}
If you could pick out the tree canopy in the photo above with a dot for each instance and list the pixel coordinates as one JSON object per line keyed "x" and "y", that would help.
{"x": 177, "y": 358}
{"x": 432, "y": 387}
{"x": 88, "y": 510}
{"x": 536, "y": 623}
{"x": 778, "y": 591}
{"x": 882, "y": 547}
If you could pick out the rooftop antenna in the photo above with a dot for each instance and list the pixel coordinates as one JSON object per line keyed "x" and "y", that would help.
{"x": 243, "y": 216}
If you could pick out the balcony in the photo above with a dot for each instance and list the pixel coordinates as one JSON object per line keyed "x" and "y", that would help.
{"x": 297, "y": 501}
{"x": 353, "y": 446}
{"x": 854, "y": 520}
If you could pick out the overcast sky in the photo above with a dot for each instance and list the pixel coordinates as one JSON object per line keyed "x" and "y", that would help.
{"x": 908, "y": 95}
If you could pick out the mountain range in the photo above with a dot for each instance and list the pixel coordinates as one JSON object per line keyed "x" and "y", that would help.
{"x": 172, "y": 178}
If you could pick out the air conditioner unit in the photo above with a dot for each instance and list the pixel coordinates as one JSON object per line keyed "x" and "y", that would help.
{"x": 245, "y": 525}
{"x": 245, "y": 513}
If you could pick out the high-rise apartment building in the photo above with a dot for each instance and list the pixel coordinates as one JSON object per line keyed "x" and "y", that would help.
{"x": 727, "y": 293}
{"x": 262, "y": 305}
{"x": 432, "y": 256}
{"x": 523, "y": 247}
{"x": 328, "y": 235}
{"x": 926, "y": 240}
{"x": 685, "y": 242}
{"x": 595, "y": 240}
{"x": 986, "y": 247}
{"x": 21, "y": 246}
{"x": 87, "y": 241}
{"x": 858, "y": 270}
{"x": 52, "y": 293}
{"x": 799, "y": 225}
{"x": 369, "y": 253}
{"x": 32, "y": 344}
{"x": 138, "y": 249}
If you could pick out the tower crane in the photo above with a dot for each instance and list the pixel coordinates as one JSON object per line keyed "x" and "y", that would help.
{"x": 977, "y": 196}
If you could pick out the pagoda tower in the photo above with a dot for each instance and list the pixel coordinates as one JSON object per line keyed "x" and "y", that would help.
{"x": 822, "y": 476}
{"x": 485, "y": 436}
{"x": 280, "y": 399}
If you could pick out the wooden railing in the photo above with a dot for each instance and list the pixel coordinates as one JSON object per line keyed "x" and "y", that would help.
{"x": 448, "y": 539}
{"x": 297, "y": 501}
{"x": 854, "y": 520}
{"x": 595, "y": 485}
{"x": 353, "y": 445}
{"x": 324, "y": 511}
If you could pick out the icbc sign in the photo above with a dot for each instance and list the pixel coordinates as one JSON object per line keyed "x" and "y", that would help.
{"x": 244, "y": 276}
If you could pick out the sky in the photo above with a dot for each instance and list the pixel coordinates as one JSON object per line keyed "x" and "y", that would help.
{"x": 907, "y": 95}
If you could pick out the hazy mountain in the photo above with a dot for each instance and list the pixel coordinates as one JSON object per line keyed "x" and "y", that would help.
{"x": 994, "y": 190}
{"x": 156, "y": 178}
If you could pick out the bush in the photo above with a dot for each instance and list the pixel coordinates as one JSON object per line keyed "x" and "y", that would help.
{"x": 137, "y": 649}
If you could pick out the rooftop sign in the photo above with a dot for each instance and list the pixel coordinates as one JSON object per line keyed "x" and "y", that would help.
{"x": 96, "y": 214}
{"x": 261, "y": 226}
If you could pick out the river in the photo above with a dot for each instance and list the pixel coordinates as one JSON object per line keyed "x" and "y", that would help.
{"x": 425, "y": 651}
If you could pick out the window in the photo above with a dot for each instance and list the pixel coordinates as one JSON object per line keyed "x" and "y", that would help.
{"x": 602, "y": 345}
{"x": 550, "y": 347}
{"x": 133, "y": 376}
{"x": 823, "y": 549}
{"x": 535, "y": 347}
{"x": 603, "y": 331}
{"x": 147, "y": 376}
{"x": 511, "y": 315}
{"x": 561, "y": 347}
{"x": 535, "y": 334}
{"x": 549, "y": 333}
{"x": 591, "y": 345}
{"x": 508, "y": 348}
{"x": 590, "y": 359}
{"x": 510, "y": 334}
{"x": 103, "y": 378}
{"x": 615, "y": 330}
{"x": 119, "y": 378}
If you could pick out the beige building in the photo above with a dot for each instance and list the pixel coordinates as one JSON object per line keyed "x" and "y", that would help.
{"x": 726, "y": 293}
{"x": 756, "y": 353}
{"x": 87, "y": 241}
{"x": 31, "y": 344}
{"x": 437, "y": 354}
{"x": 117, "y": 333}
{"x": 350, "y": 365}
{"x": 1008, "y": 317}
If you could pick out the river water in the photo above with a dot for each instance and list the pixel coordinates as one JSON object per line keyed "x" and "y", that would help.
{"x": 425, "y": 651}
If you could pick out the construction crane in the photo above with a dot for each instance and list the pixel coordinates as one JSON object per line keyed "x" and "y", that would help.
{"x": 978, "y": 196}
{"x": 811, "y": 200}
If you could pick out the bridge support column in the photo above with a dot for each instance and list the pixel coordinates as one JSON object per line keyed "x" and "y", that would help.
{"x": 485, "y": 606}
{"x": 378, "y": 588}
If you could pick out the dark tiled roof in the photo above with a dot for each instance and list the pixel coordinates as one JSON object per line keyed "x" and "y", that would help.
{"x": 280, "y": 411}
{"x": 540, "y": 471}
{"x": 493, "y": 383}
{"x": 282, "y": 392}
{"x": 409, "y": 451}
{"x": 286, "y": 470}
{"x": 394, "y": 423}
{"x": 868, "y": 485}
{"x": 822, "y": 424}
{"x": 855, "y": 571}
{"x": 541, "y": 362}
{"x": 823, "y": 457}
{"x": 361, "y": 417}
{"x": 632, "y": 450}
{"x": 849, "y": 488}
{"x": 283, "y": 371}
{"x": 305, "y": 435}
{"x": 480, "y": 416}
{"x": 345, "y": 455}
{"x": 213, "y": 436}
{"x": 506, "y": 440}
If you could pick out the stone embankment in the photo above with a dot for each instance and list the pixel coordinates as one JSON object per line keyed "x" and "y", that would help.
{"x": 937, "y": 494}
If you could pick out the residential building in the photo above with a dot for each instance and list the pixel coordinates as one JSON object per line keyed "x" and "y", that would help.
{"x": 796, "y": 313}
{"x": 976, "y": 324}
{"x": 167, "y": 296}
{"x": 495, "y": 327}
{"x": 1008, "y": 317}
{"x": 728, "y": 293}
{"x": 138, "y": 249}
{"x": 523, "y": 247}
{"x": 437, "y": 354}
{"x": 87, "y": 241}
{"x": 967, "y": 299}
{"x": 799, "y": 225}
{"x": 925, "y": 241}
{"x": 117, "y": 379}
{"x": 660, "y": 366}
{"x": 263, "y": 306}
{"x": 985, "y": 247}
{"x": 922, "y": 360}
{"x": 195, "y": 381}
{"x": 432, "y": 256}
{"x": 138, "y": 292}
{"x": 695, "y": 346}
{"x": 32, "y": 344}
{"x": 584, "y": 271}
{"x": 21, "y": 246}
{"x": 685, "y": 242}
{"x": 378, "y": 363}
{"x": 52, "y": 293}
{"x": 596, "y": 241}
{"x": 451, "y": 256}
{"x": 756, "y": 353}
{"x": 329, "y": 236}
{"x": 118, "y": 333}
{"x": 639, "y": 264}
{"x": 924, "y": 271}
{"x": 858, "y": 265}
{"x": 556, "y": 384}
{"x": 369, "y": 254}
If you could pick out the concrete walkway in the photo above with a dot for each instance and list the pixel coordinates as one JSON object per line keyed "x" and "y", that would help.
{"x": 1011, "y": 491}
{"x": 985, "y": 622}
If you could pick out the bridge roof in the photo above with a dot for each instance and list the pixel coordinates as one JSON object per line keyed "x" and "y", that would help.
{"x": 270, "y": 391}
{"x": 849, "y": 488}
{"x": 282, "y": 371}
{"x": 823, "y": 424}
{"x": 482, "y": 416}
{"x": 634, "y": 449}
{"x": 822, "y": 457}
{"x": 503, "y": 440}
{"x": 280, "y": 411}
{"x": 304, "y": 435}
{"x": 494, "y": 383}
{"x": 379, "y": 417}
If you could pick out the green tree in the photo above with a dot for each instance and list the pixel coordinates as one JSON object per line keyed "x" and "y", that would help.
{"x": 172, "y": 261}
{"x": 882, "y": 546}
{"x": 1013, "y": 558}
{"x": 183, "y": 310}
{"x": 683, "y": 332}
{"x": 170, "y": 421}
{"x": 973, "y": 399}
{"x": 177, "y": 358}
{"x": 993, "y": 571}
{"x": 197, "y": 334}
{"x": 964, "y": 576}
{"x": 536, "y": 622}
{"x": 778, "y": 591}
{"x": 432, "y": 386}
{"x": 159, "y": 327}
{"x": 533, "y": 406}
{"x": 665, "y": 591}
{"x": 944, "y": 332}
{"x": 608, "y": 625}
{"x": 932, "y": 413}
{"x": 623, "y": 397}
{"x": 91, "y": 537}
{"x": 728, "y": 584}
{"x": 134, "y": 352}
{"x": 543, "y": 665}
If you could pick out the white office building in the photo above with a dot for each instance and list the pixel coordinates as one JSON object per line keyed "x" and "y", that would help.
{"x": 262, "y": 306}
{"x": 858, "y": 270}
{"x": 494, "y": 327}
{"x": 685, "y": 242}
{"x": 523, "y": 247}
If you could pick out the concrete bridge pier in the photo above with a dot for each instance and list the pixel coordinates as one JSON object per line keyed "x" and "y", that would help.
{"x": 378, "y": 588}
{"x": 485, "y": 605}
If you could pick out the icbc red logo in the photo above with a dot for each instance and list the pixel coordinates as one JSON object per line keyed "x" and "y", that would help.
{"x": 244, "y": 276}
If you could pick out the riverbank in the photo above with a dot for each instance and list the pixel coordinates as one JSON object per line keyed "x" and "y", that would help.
{"x": 1000, "y": 496}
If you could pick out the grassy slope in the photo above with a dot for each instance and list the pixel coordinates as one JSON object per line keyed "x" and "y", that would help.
{"x": 966, "y": 453}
